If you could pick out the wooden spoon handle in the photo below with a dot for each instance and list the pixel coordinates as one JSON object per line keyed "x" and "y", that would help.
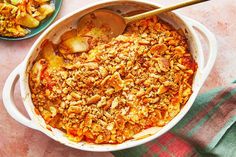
{"x": 161, "y": 10}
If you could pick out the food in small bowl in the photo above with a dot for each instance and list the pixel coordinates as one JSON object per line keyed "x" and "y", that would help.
{"x": 107, "y": 92}
{"x": 17, "y": 17}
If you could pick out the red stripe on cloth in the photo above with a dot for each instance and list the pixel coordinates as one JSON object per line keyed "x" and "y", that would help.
{"x": 216, "y": 122}
{"x": 180, "y": 148}
{"x": 152, "y": 148}
{"x": 206, "y": 109}
{"x": 166, "y": 138}
{"x": 157, "y": 146}
{"x": 164, "y": 154}
{"x": 169, "y": 144}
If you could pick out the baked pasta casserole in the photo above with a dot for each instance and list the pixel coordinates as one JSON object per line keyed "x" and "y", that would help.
{"x": 102, "y": 90}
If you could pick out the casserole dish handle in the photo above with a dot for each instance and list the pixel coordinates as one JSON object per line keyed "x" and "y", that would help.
{"x": 8, "y": 99}
{"x": 212, "y": 44}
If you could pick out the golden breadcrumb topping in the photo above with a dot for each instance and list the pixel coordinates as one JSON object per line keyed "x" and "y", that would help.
{"x": 103, "y": 91}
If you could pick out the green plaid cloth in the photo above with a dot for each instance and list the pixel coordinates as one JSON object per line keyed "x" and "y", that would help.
{"x": 208, "y": 130}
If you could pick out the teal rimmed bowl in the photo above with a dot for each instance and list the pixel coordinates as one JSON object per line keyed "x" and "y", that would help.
{"x": 42, "y": 26}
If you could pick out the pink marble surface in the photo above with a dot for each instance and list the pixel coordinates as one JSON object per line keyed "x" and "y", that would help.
{"x": 18, "y": 141}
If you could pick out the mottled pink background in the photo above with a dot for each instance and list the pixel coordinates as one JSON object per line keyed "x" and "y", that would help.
{"x": 18, "y": 141}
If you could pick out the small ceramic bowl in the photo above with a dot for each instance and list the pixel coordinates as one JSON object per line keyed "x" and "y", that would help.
{"x": 42, "y": 26}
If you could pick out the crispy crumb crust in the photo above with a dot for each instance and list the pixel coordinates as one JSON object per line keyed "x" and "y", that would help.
{"x": 117, "y": 89}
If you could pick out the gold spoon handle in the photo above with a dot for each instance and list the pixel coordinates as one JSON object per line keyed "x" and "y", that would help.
{"x": 161, "y": 10}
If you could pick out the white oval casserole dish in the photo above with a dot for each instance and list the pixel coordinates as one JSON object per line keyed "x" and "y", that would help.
{"x": 53, "y": 33}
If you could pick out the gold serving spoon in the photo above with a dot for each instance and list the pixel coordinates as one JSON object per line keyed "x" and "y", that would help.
{"x": 117, "y": 23}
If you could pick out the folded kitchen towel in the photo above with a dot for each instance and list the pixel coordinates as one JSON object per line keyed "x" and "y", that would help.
{"x": 208, "y": 129}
